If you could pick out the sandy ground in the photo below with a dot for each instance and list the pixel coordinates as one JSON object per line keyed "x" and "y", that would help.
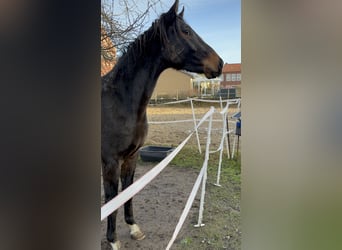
{"x": 174, "y": 133}
{"x": 156, "y": 208}
{"x": 159, "y": 205}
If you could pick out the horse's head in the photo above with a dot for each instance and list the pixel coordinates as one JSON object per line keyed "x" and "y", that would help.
{"x": 184, "y": 49}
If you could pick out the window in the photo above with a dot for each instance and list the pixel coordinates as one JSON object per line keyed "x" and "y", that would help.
{"x": 234, "y": 77}
{"x": 228, "y": 77}
{"x": 221, "y": 77}
{"x": 232, "y": 93}
{"x": 238, "y": 77}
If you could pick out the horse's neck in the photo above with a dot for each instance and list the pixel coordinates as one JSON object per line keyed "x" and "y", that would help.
{"x": 141, "y": 80}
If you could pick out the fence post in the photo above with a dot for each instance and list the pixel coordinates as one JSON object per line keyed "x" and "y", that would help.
{"x": 204, "y": 180}
{"x": 224, "y": 136}
{"x": 239, "y": 106}
{"x": 195, "y": 125}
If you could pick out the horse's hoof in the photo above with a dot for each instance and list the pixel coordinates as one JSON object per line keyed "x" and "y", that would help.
{"x": 136, "y": 233}
{"x": 116, "y": 245}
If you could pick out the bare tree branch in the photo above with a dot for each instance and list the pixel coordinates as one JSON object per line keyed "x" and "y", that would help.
{"x": 124, "y": 23}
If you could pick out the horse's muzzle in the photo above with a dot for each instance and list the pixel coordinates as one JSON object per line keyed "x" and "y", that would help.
{"x": 212, "y": 66}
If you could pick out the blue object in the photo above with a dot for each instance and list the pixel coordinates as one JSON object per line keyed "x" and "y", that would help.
{"x": 238, "y": 127}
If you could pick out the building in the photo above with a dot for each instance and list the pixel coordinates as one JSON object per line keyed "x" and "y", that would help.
{"x": 231, "y": 79}
{"x": 174, "y": 84}
{"x": 205, "y": 87}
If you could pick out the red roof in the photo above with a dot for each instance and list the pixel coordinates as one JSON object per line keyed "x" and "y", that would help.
{"x": 231, "y": 67}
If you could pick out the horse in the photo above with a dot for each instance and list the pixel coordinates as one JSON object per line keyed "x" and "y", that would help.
{"x": 126, "y": 90}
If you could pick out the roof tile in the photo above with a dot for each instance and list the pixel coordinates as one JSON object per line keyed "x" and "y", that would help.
{"x": 231, "y": 67}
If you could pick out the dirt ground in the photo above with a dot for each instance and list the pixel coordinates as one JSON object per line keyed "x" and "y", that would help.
{"x": 159, "y": 205}
{"x": 174, "y": 133}
{"x": 156, "y": 209}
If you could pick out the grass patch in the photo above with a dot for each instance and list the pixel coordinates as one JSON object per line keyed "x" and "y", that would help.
{"x": 221, "y": 216}
{"x": 188, "y": 157}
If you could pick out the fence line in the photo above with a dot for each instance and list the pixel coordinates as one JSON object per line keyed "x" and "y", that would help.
{"x": 202, "y": 177}
{"x": 177, "y": 121}
{"x": 139, "y": 184}
{"x": 236, "y": 100}
{"x": 191, "y": 100}
{"x": 187, "y": 207}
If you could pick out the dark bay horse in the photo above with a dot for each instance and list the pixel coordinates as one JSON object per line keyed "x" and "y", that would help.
{"x": 126, "y": 91}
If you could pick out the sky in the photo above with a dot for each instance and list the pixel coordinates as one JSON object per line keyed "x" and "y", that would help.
{"x": 218, "y": 22}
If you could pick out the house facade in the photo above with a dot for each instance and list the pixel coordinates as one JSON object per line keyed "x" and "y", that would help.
{"x": 231, "y": 79}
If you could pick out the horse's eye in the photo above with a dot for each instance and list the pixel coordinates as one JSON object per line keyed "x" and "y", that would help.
{"x": 186, "y": 32}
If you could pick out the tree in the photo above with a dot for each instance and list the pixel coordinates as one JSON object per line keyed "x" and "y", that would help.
{"x": 123, "y": 20}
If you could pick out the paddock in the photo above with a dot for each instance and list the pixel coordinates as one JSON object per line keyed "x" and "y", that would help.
{"x": 159, "y": 205}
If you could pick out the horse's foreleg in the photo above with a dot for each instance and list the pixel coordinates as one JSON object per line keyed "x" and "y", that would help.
{"x": 110, "y": 174}
{"x": 127, "y": 175}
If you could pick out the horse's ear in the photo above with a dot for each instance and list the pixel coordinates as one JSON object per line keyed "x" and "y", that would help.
{"x": 181, "y": 14}
{"x": 172, "y": 13}
{"x": 174, "y": 7}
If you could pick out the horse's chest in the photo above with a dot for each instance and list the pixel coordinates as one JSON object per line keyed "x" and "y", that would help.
{"x": 139, "y": 132}
{"x": 133, "y": 138}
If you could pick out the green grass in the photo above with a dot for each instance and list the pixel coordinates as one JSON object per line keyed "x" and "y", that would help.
{"x": 221, "y": 216}
{"x": 188, "y": 157}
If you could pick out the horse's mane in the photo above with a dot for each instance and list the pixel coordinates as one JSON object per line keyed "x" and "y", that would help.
{"x": 134, "y": 52}
{"x": 156, "y": 32}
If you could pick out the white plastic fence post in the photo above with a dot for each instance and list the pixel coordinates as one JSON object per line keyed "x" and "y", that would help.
{"x": 228, "y": 138}
{"x": 195, "y": 126}
{"x": 201, "y": 208}
{"x": 235, "y": 136}
{"x": 224, "y": 133}
{"x": 204, "y": 180}
{"x": 234, "y": 146}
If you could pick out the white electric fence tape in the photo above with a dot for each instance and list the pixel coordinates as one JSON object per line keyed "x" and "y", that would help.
{"x": 176, "y": 102}
{"x": 139, "y": 184}
{"x": 177, "y": 121}
{"x": 237, "y": 100}
{"x": 187, "y": 207}
{"x": 201, "y": 177}
{"x": 167, "y": 122}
